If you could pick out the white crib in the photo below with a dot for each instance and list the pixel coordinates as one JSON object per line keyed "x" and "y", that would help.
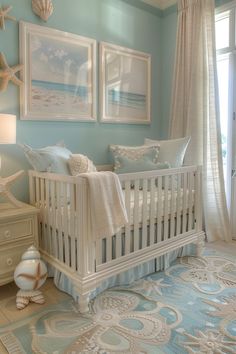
{"x": 164, "y": 209}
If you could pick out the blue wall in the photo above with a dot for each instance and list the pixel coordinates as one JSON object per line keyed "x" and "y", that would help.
{"x": 114, "y": 21}
{"x": 168, "y": 43}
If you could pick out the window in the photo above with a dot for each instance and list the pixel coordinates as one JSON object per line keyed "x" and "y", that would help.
{"x": 222, "y": 30}
{"x": 226, "y": 67}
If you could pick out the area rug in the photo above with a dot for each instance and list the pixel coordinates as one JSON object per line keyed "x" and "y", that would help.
{"x": 189, "y": 308}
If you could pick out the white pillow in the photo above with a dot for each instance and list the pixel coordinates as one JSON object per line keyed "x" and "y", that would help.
{"x": 134, "y": 153}
{"x": 79, "y": 163}
{"x": 171, "y": 151}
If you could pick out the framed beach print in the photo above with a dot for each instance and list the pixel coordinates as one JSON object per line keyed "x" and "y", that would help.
{"x": 125, "y": 85}
{"x": 59, "y": 75}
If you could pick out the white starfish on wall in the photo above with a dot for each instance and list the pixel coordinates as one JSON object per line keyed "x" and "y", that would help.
{"x": 5, "y": 184}
{"x": 8, "y": 73}
{"x": 4, "y": 16}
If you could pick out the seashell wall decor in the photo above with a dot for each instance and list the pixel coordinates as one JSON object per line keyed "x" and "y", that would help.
{"x": 42, "y": 8}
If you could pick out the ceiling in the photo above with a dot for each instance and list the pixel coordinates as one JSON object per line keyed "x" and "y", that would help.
{"x": 161, "y": 4}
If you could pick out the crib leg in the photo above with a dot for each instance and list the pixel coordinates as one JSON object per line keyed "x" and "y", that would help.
{"x": 200, "y": 245}
{"x": 83, "y": 303}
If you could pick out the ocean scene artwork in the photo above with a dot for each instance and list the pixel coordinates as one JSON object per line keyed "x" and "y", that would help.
{"x": 126, "y": 86}
{"x": 127, "y": 99}
{"x": 60, "y": 75}
{"x": 60, "y": 78}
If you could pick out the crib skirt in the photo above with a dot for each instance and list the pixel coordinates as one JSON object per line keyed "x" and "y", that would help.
{"x": 63, "y": 283}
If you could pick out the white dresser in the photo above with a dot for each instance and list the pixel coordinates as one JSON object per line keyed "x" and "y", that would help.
{"x": 18, "y": 231}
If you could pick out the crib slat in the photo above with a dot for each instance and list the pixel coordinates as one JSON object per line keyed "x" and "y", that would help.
{"x": 145, "y": 214}
{"x": 127, "y": 227}
{"x": 136, "y": 215}
{"x": 185, "y": 191}
{"x": 78, "y": 225}
{"x": 47, "y": 217}
{"x": 108, "y": 249}
{"x": 42, "y": 212}
{"x": 152, "y": 211}
{"x": 32, "y": 189}
{"x": 59, "y": 209}
{"x": 159, "y": 210}
{"x": 166, "y": 207}
{"x": 53, "y": 219}
{"x": 178, "y": 205}
{"x": 65, "y": 223}
{"x": 72, "y": 227}
{"x": 118, "y": 244}
{"x": 172, "y": 206}
{"x": 190, "y": 203}
{"x": 37, "y": 192}
{"x": 98, "y": 252}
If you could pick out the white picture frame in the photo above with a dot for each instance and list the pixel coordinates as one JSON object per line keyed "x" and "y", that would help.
{"x": 125, "y": 85}
{"x": 59, "y": 75}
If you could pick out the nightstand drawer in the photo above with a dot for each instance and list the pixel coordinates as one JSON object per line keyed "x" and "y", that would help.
{"x": 10, "y": 257}
{"x": 16, "y": 229}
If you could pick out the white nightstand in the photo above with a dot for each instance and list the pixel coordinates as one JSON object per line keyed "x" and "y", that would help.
{"x": 18, "y": 231}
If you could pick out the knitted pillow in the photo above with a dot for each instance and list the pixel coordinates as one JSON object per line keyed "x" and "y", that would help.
{"x": 79, "y": 163}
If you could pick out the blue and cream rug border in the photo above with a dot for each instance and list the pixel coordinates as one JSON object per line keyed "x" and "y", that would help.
{"x": 189, "y": 308}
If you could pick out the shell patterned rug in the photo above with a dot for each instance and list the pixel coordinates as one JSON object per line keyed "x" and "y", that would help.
{"x": 189, "y": 308}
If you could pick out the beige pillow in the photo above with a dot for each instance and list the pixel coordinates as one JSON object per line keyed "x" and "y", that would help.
{"x": 79, "y": 163}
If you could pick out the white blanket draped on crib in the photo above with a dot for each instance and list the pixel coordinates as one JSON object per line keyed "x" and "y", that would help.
{"x": 106, "y": 203}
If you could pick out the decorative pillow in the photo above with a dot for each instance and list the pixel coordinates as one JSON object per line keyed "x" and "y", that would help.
{"x": 171, "y": 151}
{"x": 140, "y": 165}
{"x": 79, "y": 163}
{"x": 143, "y": 164}
{"x": 133, "y": 153}
{"x": 48, "y": 159}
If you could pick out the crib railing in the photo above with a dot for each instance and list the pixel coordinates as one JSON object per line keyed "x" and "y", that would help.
{"x": 161, "y": 205}
{"x": 64, "y": 233}
{"x": 164, "y": 207}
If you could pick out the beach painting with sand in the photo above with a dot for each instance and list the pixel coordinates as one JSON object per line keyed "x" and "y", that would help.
{"x": 125, "y": 85}
{"x": 60, "y": 75}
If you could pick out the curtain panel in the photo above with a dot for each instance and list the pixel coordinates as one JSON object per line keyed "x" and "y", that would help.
{"x": 195, "y": 110}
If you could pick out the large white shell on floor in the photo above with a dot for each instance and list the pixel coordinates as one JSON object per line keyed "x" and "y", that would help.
{"x": 31, "y": 272}
{"x": 42, "y": 8}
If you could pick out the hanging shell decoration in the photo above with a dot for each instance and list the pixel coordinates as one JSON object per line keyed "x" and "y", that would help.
{"x": 42, "y": 8}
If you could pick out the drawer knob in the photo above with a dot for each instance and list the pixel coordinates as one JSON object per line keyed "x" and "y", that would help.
{"x": 7, "y": 234}
{"x": 9, "y": 261}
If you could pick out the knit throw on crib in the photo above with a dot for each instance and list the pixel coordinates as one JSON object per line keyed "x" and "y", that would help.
{"x": 106, "y": 203}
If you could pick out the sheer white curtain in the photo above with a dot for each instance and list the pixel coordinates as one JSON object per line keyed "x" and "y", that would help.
{"x": 194, "y": 110}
